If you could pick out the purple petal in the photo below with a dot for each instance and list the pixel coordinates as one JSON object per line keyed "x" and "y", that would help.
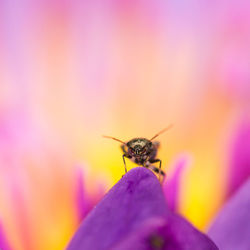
{"x": 240, "y": 157}
{"x": 171, "y": 186}
{"x": 134, "y": 205}
{"x": 175, "y": 233}
{"x": 231, "y": 229}
{"x": 134, "y": 199}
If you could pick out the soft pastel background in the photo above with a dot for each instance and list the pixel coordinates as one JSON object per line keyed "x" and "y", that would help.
{"x": 71, "y": 71}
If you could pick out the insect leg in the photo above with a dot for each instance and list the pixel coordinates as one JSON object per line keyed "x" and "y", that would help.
{"x": 156, "y": 170}
{"x": 123, "y": 157}
{"x": 159, "y": 169}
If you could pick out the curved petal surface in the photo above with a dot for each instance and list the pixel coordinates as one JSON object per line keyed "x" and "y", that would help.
{"x": 231, "y": 229}
{"x": 134, "y": 215}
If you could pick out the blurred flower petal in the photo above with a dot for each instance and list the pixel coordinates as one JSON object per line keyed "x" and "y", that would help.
{"x": 240, "y": 159}
{"x": 172, "y": 185}
{"x": 84, "y": 201}
{"x": 231, "y": 229}
{"x": 3, "y": 242}
{"x": 133, "y": 211}
{"x": 82, "y": 204}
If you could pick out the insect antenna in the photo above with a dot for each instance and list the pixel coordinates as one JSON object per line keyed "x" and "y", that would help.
{"x": 162, "y": 131}
{"x": 110, "y": 137}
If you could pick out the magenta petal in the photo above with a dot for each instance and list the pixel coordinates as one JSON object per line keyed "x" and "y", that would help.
{"x": 240, "y": 157}
{"x": 172, "y": 184}
{"x": 134, "y": 213}
{"x": 84, "y": 202}
{"x": 3, "y": 242}
{"x": 134, "y": 199}
{"x": 81, "y": 199}
{"x": 231, "y": 229}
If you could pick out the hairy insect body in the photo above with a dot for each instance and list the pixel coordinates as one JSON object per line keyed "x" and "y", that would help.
{"x": 142, "y": 151}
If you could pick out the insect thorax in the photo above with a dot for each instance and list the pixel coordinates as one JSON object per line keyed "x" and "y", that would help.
{"x": 142, "y": 142}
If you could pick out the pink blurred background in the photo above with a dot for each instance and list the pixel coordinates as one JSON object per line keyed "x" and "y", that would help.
{"x": 71, "y": 71}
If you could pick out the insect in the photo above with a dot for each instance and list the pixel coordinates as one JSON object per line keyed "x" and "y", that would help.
{"x": 142, "y": 152}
